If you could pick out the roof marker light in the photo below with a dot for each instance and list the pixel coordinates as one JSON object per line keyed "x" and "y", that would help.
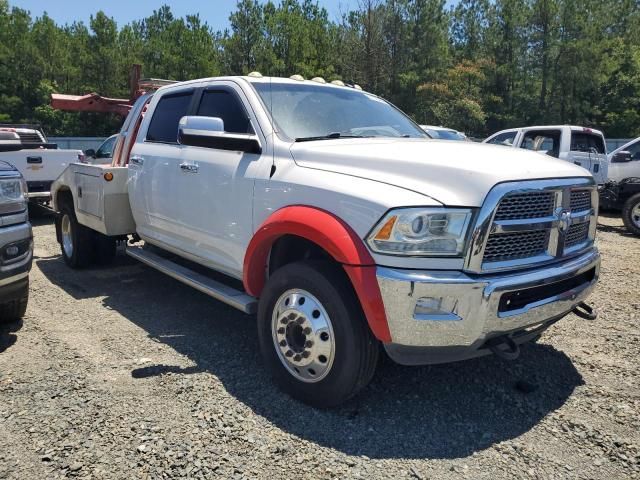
{"x": 357, "y": 87}
{"x": 340, "y": 83}
{"x": 318, "y": 79}
{"x": 297, "y": 77}
{"x": 255, "y": 74}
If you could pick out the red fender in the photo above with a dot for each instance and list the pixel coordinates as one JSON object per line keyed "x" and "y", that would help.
{"x": 335, "y": 237}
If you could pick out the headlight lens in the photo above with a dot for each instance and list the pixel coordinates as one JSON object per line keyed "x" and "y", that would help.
{"x": 421, "y": 231}
{"x": 13, "y": 195}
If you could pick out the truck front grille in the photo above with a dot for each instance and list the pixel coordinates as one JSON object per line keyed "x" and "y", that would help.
{"x": 526, "y": 223}
{"x": 577, "y": 234}
{"x": 526, "y": 205}
{"x": 580, "y": 200}
{"x": 511, "y": 246}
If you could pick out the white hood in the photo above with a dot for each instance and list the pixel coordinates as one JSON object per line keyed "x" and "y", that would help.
{"x": 453, "y": 173}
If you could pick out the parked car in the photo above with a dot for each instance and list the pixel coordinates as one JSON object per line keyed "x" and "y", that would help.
{"x": 104, "y": 153}
{"x": 580, "y": 145}
{"x": 442, "y": 133}
{"x": 39, "y": 161}
{"x": 16, "y": 245}
{"x": 328, "y": 212}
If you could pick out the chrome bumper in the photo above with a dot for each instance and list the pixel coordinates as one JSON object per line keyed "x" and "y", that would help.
{"x": 471, "y": 312}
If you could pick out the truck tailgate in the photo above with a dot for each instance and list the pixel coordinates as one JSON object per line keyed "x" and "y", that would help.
{"x": 41, "y": 165}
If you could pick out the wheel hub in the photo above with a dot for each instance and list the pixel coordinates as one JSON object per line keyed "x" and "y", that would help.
{"x": 635, "y": 215}
{"x": 67, "y": 239}
{"x": 303, "y": 335}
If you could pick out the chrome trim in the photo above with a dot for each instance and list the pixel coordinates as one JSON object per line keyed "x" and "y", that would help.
{"x": 557, "y": 224}
{"x": 14, "y": 278}
{"x": 477, "y": 301}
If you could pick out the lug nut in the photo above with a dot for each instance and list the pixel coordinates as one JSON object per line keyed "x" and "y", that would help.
{"x": 297, "y": 358}
{"x": 281, "y": 330}
{"x": 300, "y": 320}
{"x": 284, "y": 320}
{"x": 292, "y": 316}
{"x": 305, "y": 354}
{"x": 307, "y": 331}
{"x": 308, "y": 344}
{"x": 289, "y": 353}
{"x": 283, "y": 343}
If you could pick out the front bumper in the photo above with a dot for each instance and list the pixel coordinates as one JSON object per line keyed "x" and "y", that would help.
{"x": 476, "y": 308}
{"x": 14, "y": 271}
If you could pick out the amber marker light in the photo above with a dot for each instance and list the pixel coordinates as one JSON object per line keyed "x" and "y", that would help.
{"x": 385, "y": 232}
{"x": 108, "y": 176}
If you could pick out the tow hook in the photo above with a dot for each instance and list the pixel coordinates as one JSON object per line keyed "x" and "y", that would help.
{"x": 497, "y": 346}
{"x": 585, "y": 311}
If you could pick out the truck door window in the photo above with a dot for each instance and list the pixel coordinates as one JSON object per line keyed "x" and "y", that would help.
{"x": 227, "y": 106}
{"x": 586, "y": 142}
{"x": 506, "y": 139}
{"x": 634, "y": 150}
{"x": 544, "y": 141}
{"x": 164, "y": 124}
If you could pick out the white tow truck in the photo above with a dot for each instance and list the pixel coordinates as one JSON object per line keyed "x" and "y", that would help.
{"x": 339, "y": 223}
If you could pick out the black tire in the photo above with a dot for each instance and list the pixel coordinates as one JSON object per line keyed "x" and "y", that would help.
{"x": 105, "y": 249}
{"x": 82, "y": 239}
{"x": 631, "y": 221}
{"x": 14, "y": 310}
{"x": 356, "y": 349}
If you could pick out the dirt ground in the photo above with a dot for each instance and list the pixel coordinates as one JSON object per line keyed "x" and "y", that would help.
{"x": 122, "y": 372}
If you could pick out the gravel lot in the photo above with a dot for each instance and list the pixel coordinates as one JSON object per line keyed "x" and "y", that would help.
{"x": 123, "y": 372}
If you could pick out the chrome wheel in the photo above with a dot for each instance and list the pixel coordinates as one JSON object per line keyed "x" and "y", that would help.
{"x": 67, "y": 239}
{"x": 303, "y": 336}
{"x": 635, "y": 215}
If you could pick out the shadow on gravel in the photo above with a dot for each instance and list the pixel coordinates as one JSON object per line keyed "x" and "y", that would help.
{"x": 620, "y": 230}
{"x": 7, "y": 337}
{"x": 444, "y": 411}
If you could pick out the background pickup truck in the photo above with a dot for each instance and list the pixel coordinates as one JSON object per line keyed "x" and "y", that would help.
{"x": 332, "y": 216}
{"x": 579, "y": 145}
{"x": 39, "y": 161}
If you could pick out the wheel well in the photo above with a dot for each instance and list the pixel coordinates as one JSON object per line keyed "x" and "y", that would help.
{"x": 63, "y": 196}
{"x": 291, "y": 248}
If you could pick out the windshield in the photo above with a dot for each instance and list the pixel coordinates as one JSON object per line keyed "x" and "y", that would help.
{"x": 314, "y": 112}
{"x": 445, "y": 134}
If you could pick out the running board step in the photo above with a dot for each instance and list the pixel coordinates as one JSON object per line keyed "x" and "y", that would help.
{"x": 206, "y": 285}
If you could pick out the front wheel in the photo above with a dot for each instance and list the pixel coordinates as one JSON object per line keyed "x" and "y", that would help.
{"x": 313, "y": 335}
{"x": 631, "y": 214}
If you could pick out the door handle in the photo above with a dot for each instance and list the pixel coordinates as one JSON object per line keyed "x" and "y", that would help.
{"x": 189, "y": 167}
{"x": 136, "y": 160}
{"x": 34, "y": 159}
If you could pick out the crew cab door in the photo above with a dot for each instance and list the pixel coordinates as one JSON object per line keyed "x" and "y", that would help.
{"x": 154, "y": 169}
{"x": 587, "y": 149}
{"x": 216, "y": 185}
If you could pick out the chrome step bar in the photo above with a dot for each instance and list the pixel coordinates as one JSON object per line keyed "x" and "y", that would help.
{"x": 235, "y": 298}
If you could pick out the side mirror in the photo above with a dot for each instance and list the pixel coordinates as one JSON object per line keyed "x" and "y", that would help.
{"x": 208, "y": 132}
{"x": 622, "y": 156}
{"x": 90, "y": 152}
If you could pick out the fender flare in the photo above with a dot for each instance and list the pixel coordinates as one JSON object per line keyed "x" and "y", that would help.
{"x": 334, "y": 236}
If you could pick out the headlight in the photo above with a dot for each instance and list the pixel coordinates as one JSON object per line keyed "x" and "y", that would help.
{"x": 13, "y": 195}
{"x": 421, "y": 231}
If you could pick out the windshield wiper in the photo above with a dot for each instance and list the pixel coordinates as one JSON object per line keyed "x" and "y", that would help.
{"x": 329, "y": 136}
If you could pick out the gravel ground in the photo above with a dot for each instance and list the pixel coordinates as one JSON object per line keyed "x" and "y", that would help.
{"x": 122, "y": 372}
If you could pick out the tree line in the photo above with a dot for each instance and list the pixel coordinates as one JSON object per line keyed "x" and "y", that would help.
{"x": 478, "y": 66}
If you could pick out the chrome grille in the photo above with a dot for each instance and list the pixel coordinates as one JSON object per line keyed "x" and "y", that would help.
{"x": 511, "y": 246}
{"x": 580, "y": 200}
{"x": 577, "y": 234}
{"x": 526, "y": 205}
{"x": 531, "y": 222}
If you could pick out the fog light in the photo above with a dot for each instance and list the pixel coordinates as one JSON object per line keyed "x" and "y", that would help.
{"x": 436, "y": 308}
{"x": 12, "y": 251}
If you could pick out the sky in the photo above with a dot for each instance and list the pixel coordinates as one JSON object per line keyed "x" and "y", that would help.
{"x": 215, "y": 12}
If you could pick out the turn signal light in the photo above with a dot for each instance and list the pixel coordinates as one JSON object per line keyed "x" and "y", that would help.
{"x": 108, "y": 176}
{"x": 385, "y": 232}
